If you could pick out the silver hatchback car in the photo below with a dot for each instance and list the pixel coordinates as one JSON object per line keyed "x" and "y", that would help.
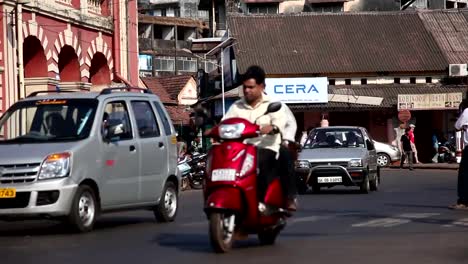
{"x": 338, "y": 155}
{"x": 76, "y": 155}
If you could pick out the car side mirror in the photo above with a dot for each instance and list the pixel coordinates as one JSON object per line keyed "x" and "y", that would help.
{"x": 113, "y": 129}
{"x": 273, "y": 107}
{"x": 370, "y": 145}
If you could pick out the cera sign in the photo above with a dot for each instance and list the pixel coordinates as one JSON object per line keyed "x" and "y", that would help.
{"x": 298, "y": 90}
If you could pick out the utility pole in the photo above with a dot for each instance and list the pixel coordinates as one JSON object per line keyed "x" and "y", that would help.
{"x": 175, "y": 49}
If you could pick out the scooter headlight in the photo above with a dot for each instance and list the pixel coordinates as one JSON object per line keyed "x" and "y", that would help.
{"x": 231, "y": 131}
{"x": 247, "y": 165}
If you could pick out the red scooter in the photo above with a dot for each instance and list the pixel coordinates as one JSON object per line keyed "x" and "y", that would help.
{"x": 230, "y": 192}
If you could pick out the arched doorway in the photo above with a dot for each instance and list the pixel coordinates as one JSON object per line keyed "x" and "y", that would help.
{"x": 34, "y": 58}
{"x": 68, "y": 64}
{"x": 99, "y": 73}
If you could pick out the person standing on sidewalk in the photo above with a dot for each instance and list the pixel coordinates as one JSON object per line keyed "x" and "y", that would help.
{"x": 462, "y": 124}
{"x": 407, "y": 149}
{"x": 413, "y": 143}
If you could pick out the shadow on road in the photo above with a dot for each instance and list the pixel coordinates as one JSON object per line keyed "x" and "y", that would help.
{"x": 199, "y": 242}
{"x": 52, "y": 227}
{"x": 334, "y": 191}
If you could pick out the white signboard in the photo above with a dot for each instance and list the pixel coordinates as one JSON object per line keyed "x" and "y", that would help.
{"x": 429, "y": 101}
{"x": 298, "y": 90}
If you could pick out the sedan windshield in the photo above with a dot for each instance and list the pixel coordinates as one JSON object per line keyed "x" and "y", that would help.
{"x": 334, "y": 138}
{"x": 43, "y": 121}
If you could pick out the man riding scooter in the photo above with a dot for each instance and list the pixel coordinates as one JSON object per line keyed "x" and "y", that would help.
{"x": 252, "y": 107}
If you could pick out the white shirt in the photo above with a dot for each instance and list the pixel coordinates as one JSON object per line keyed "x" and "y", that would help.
{"x": 242, "y": 109}
{"x": 291, "y": 125}
{"x": 462, "y": 124}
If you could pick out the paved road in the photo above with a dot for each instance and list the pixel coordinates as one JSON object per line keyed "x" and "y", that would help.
{"x": 407, "y": 221}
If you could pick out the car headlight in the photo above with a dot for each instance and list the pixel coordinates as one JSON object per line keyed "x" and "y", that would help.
{"x": 55, "y": 165}
{"x": 231, "y": 131}
{"x": 355, "y": 163}
{"x": 302, "y": 164}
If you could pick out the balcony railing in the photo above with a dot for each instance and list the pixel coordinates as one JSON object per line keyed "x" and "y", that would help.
{"x": 145, "y": 44}
{"x": 68, "y": 2}
{"x": 95, "y": 6}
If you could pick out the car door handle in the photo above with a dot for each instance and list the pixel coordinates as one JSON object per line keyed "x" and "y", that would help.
{"x": 161, "y": 145}
{"x": 132, "y": 148}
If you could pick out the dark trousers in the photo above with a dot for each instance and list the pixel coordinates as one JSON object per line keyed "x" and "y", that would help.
{"x": 463, "y": 178}
{"x": 287, "y": 172}
{"x": 409, "y": 155}
{"x": 267, "y": 165}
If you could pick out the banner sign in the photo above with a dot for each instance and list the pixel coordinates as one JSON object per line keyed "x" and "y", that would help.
{"x": 298, "y": 90}
{"x": 444, "y": 101}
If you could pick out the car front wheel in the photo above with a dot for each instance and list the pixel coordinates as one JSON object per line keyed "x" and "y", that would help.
{"x": 383, "y": 160}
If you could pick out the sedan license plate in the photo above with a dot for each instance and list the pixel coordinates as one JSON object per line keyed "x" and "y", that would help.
{"x": 8, "y": 193}
{"x": 329, "y": 179}
{"x": 223, "y": 175}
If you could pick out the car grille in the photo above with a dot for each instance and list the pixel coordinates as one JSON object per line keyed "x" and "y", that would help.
{"x": 343, "y": 164}
{"x": 18, "y": 173}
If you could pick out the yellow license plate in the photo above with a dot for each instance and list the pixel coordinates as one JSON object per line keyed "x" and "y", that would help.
{"x": 8, "y": 193}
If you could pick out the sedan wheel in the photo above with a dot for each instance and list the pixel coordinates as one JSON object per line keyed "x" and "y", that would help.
{"x": 383, "y": 159}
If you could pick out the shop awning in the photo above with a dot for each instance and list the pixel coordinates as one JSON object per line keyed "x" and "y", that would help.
{"x": 364, "y": 97}
{"x": 389, "y": 93}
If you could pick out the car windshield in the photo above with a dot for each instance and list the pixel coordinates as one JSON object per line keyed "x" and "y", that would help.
{"x": 335, "y": 138}
{"x": 48, "y": 120}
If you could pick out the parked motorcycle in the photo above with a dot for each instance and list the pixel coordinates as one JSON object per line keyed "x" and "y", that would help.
{"x": 447, "y": 151}
{"x": 230, "y": 192}
{"x": 184, "y": 168}
{"x": 197, "y": 172}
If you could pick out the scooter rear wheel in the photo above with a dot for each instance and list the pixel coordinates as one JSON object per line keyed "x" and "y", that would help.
{"x": 220, "y": 237}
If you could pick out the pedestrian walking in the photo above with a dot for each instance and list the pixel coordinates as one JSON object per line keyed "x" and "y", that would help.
{"x": 462, "y": 188}
{"x": 407, "y": 149}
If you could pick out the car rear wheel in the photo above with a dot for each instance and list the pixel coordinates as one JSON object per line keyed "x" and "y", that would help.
{"x": 365, "y": 185}
{"x": 374, "y": 184}
{"x": 383, "y": 160}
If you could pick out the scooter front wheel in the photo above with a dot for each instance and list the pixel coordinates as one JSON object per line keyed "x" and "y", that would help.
{"x": 221, "y": 231}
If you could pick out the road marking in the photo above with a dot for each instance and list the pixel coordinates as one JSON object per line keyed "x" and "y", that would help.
{"x": 461, "y": 222}
{"x": 382, "y": 222}
{"x": 200, "y": 223}
{"x": 312, "y": 218}
{"x": 395, "y": 220}
{"x": 418, "y": 215}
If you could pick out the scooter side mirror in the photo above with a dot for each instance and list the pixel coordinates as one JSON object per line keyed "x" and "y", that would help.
{"x": 273, "y": 107}
{"x": 201, "y": 116}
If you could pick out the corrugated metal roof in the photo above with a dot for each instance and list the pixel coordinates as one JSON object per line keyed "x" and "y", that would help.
{"x": 450, "y": 30}
{"x": 311, "y": 43}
